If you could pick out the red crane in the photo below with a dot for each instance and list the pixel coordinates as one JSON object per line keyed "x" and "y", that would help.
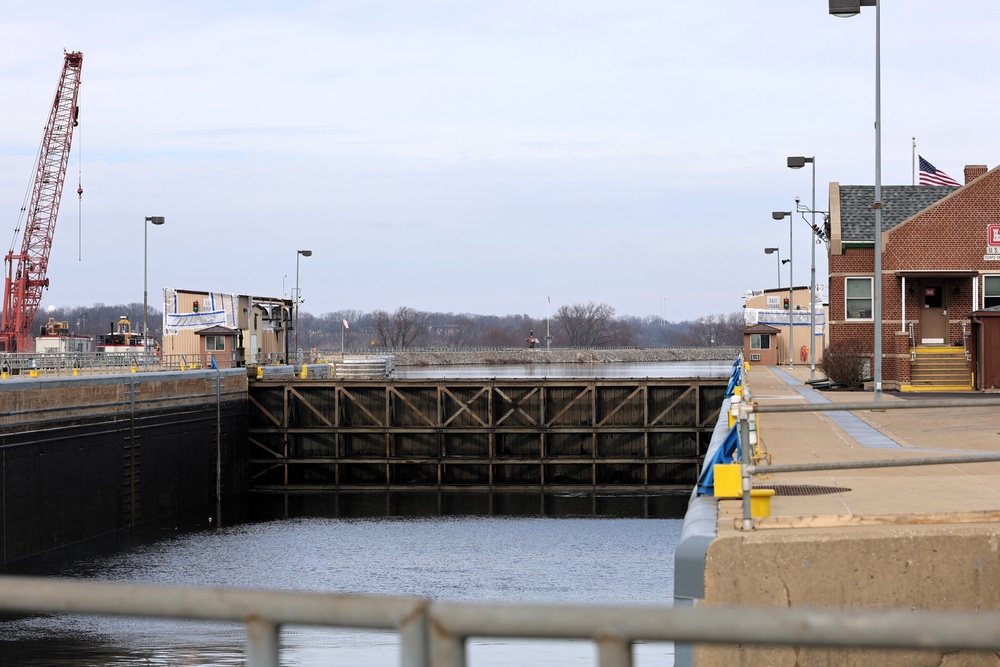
{"x": 26, "y": 270}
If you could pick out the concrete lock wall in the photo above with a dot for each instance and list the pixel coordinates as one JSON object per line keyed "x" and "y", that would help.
{"x": 88, "y": 457}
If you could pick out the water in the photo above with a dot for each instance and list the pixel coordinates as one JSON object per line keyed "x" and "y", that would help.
{"x": 658, "y": 369}
{"x": 572, "y": 548}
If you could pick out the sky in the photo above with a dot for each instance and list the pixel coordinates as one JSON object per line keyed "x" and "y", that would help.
{"x": 477, "y": 156}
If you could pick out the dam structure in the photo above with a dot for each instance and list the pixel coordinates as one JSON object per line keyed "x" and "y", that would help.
{"x": 464, "y": 434}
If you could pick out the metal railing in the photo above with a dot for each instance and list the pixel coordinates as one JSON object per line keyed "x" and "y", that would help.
{"x": 913, "y": 342}
{"x": 434, "y": 634}
{"x": 965, "y": 341}
{"x": 31, "y": 364}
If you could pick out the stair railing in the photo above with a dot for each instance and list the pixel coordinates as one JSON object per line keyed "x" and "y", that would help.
{"x": 965, "y": 341}
{"x": 913, "y": 343}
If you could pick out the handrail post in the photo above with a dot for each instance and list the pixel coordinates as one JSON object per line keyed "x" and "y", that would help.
{"x": 414, "y": 639}
{"x": 262, "y": 642}
{"x": 613, "y": 651}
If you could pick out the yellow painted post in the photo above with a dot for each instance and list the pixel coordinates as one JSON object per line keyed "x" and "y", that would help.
{"x": 3, "y": 375}
{"x": 76, "y": 372}
{"x": 760, "y": 502}
{"x": 304, "y": 372}
{"x": 33, "y": 373}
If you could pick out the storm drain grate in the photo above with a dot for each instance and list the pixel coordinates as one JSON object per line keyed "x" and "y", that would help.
{"x": 802, "y": 489}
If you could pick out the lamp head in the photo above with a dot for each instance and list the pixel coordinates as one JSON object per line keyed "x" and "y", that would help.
{"x": 155, "y": 219}
{"x": 770, "y": 251}
{"x": 781, "y": 215}
{"x": 306, "y": 253}
{"x": 799, "y": 162}
{"x": 848, "y": 8}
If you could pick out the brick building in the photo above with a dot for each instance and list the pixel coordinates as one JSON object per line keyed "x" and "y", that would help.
{"x": 940, "y": 262}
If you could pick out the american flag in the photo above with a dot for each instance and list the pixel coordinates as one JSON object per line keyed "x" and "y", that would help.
{"x": 931, "y": 176}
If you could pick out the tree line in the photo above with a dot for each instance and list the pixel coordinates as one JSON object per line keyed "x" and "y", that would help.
{"x": 576, "y": 325}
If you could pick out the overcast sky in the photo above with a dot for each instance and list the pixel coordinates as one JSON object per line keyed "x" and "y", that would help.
{"x": 476, "y": 156}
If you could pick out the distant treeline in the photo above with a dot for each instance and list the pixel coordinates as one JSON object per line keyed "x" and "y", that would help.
{"x": 577, "y": 325}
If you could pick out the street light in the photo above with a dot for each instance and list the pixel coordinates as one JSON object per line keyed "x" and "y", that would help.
{"x": 774, "y": 251}
{"x": 781, "y": 215}
{"x": 798, "y": 163}
{"x": 298, "y": 294}
{"x": 156, "y": 220}
{"x": 844, "y": 9}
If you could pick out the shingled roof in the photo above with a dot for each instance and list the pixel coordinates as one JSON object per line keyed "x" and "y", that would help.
{"x": 899, "y": 203}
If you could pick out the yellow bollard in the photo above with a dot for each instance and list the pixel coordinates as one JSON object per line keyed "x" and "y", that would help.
{"x": 33, "y": 373}
{"x": 3, "y": 376}
{"x": 304, "y": 372}
{"x": 760, "y": 502}
{"x": 135, "y": 370}
{"x": 76, "y": 372}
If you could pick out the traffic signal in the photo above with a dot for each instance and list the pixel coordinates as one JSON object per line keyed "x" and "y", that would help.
{"x": 786, "y": 303}
{"x": 194, "y": 306}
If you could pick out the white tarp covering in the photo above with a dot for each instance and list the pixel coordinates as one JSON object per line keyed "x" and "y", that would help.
{"x": 215, "y": 308}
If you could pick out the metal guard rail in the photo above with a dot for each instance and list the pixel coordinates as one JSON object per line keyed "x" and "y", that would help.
{"x": 433, "y": 634}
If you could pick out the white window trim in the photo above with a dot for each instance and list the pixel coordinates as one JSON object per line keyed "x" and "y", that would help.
{"x": 982, "y": 302}
{"x": 871, "y": 292}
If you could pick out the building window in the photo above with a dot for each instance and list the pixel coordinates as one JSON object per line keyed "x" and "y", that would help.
{"x": 991, "y": 291}
{"x": 760, "y": 341}
{"x": 215, "y": 343}
{"x": 858, "y": 301}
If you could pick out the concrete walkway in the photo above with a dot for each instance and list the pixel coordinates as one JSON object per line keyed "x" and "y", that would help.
{"x": 869, "y": 435}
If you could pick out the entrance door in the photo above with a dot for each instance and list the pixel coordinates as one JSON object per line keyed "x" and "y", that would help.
{"x": 933, "y": 313}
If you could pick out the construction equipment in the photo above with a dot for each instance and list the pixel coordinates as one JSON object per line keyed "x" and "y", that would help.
{"x": 26, "y": 270}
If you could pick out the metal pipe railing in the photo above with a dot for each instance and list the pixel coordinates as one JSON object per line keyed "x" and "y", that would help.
{"x": 433, "y": 634}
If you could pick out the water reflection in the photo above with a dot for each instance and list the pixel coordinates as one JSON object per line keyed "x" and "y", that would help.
{"x": 561, "y": 548}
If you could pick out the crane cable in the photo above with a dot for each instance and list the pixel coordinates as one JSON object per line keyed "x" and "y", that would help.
{"x": 79, "y": 192}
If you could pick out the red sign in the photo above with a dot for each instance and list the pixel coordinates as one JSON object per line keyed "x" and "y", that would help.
{"x": 993, "y": 235}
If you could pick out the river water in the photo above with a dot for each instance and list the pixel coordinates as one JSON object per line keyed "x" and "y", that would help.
{"x": 530, "y": 548}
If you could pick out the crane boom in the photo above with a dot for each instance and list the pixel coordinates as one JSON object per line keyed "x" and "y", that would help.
{"x": 26, "y": 270}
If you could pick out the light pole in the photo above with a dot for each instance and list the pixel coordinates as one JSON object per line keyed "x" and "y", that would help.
{"x": 298, "y": 294}
{"x": 844, "y": 9}
{"x": 777, "y": 256}
{"x": 156, "y": 220}
{"x": 781, "y": 215}
{"x": 798, "y": 163}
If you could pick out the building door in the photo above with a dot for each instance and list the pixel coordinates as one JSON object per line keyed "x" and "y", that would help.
{"x": 933, "y": 313}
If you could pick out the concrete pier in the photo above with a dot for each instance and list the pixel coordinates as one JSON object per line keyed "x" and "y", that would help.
{"x": 892, "y": 538}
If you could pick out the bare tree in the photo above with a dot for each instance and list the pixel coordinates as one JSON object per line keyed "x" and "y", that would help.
{"x": 401, "y": 329}
{"x": 587, "y": 324}
{"x": 715, "y": 330}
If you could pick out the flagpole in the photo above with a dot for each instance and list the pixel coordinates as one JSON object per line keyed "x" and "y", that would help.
{"x": 913, "y": 163}
{"x": 342, "y": 327}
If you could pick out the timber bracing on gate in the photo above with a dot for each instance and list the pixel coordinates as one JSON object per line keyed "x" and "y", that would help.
{"x": 504, "y": 434}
